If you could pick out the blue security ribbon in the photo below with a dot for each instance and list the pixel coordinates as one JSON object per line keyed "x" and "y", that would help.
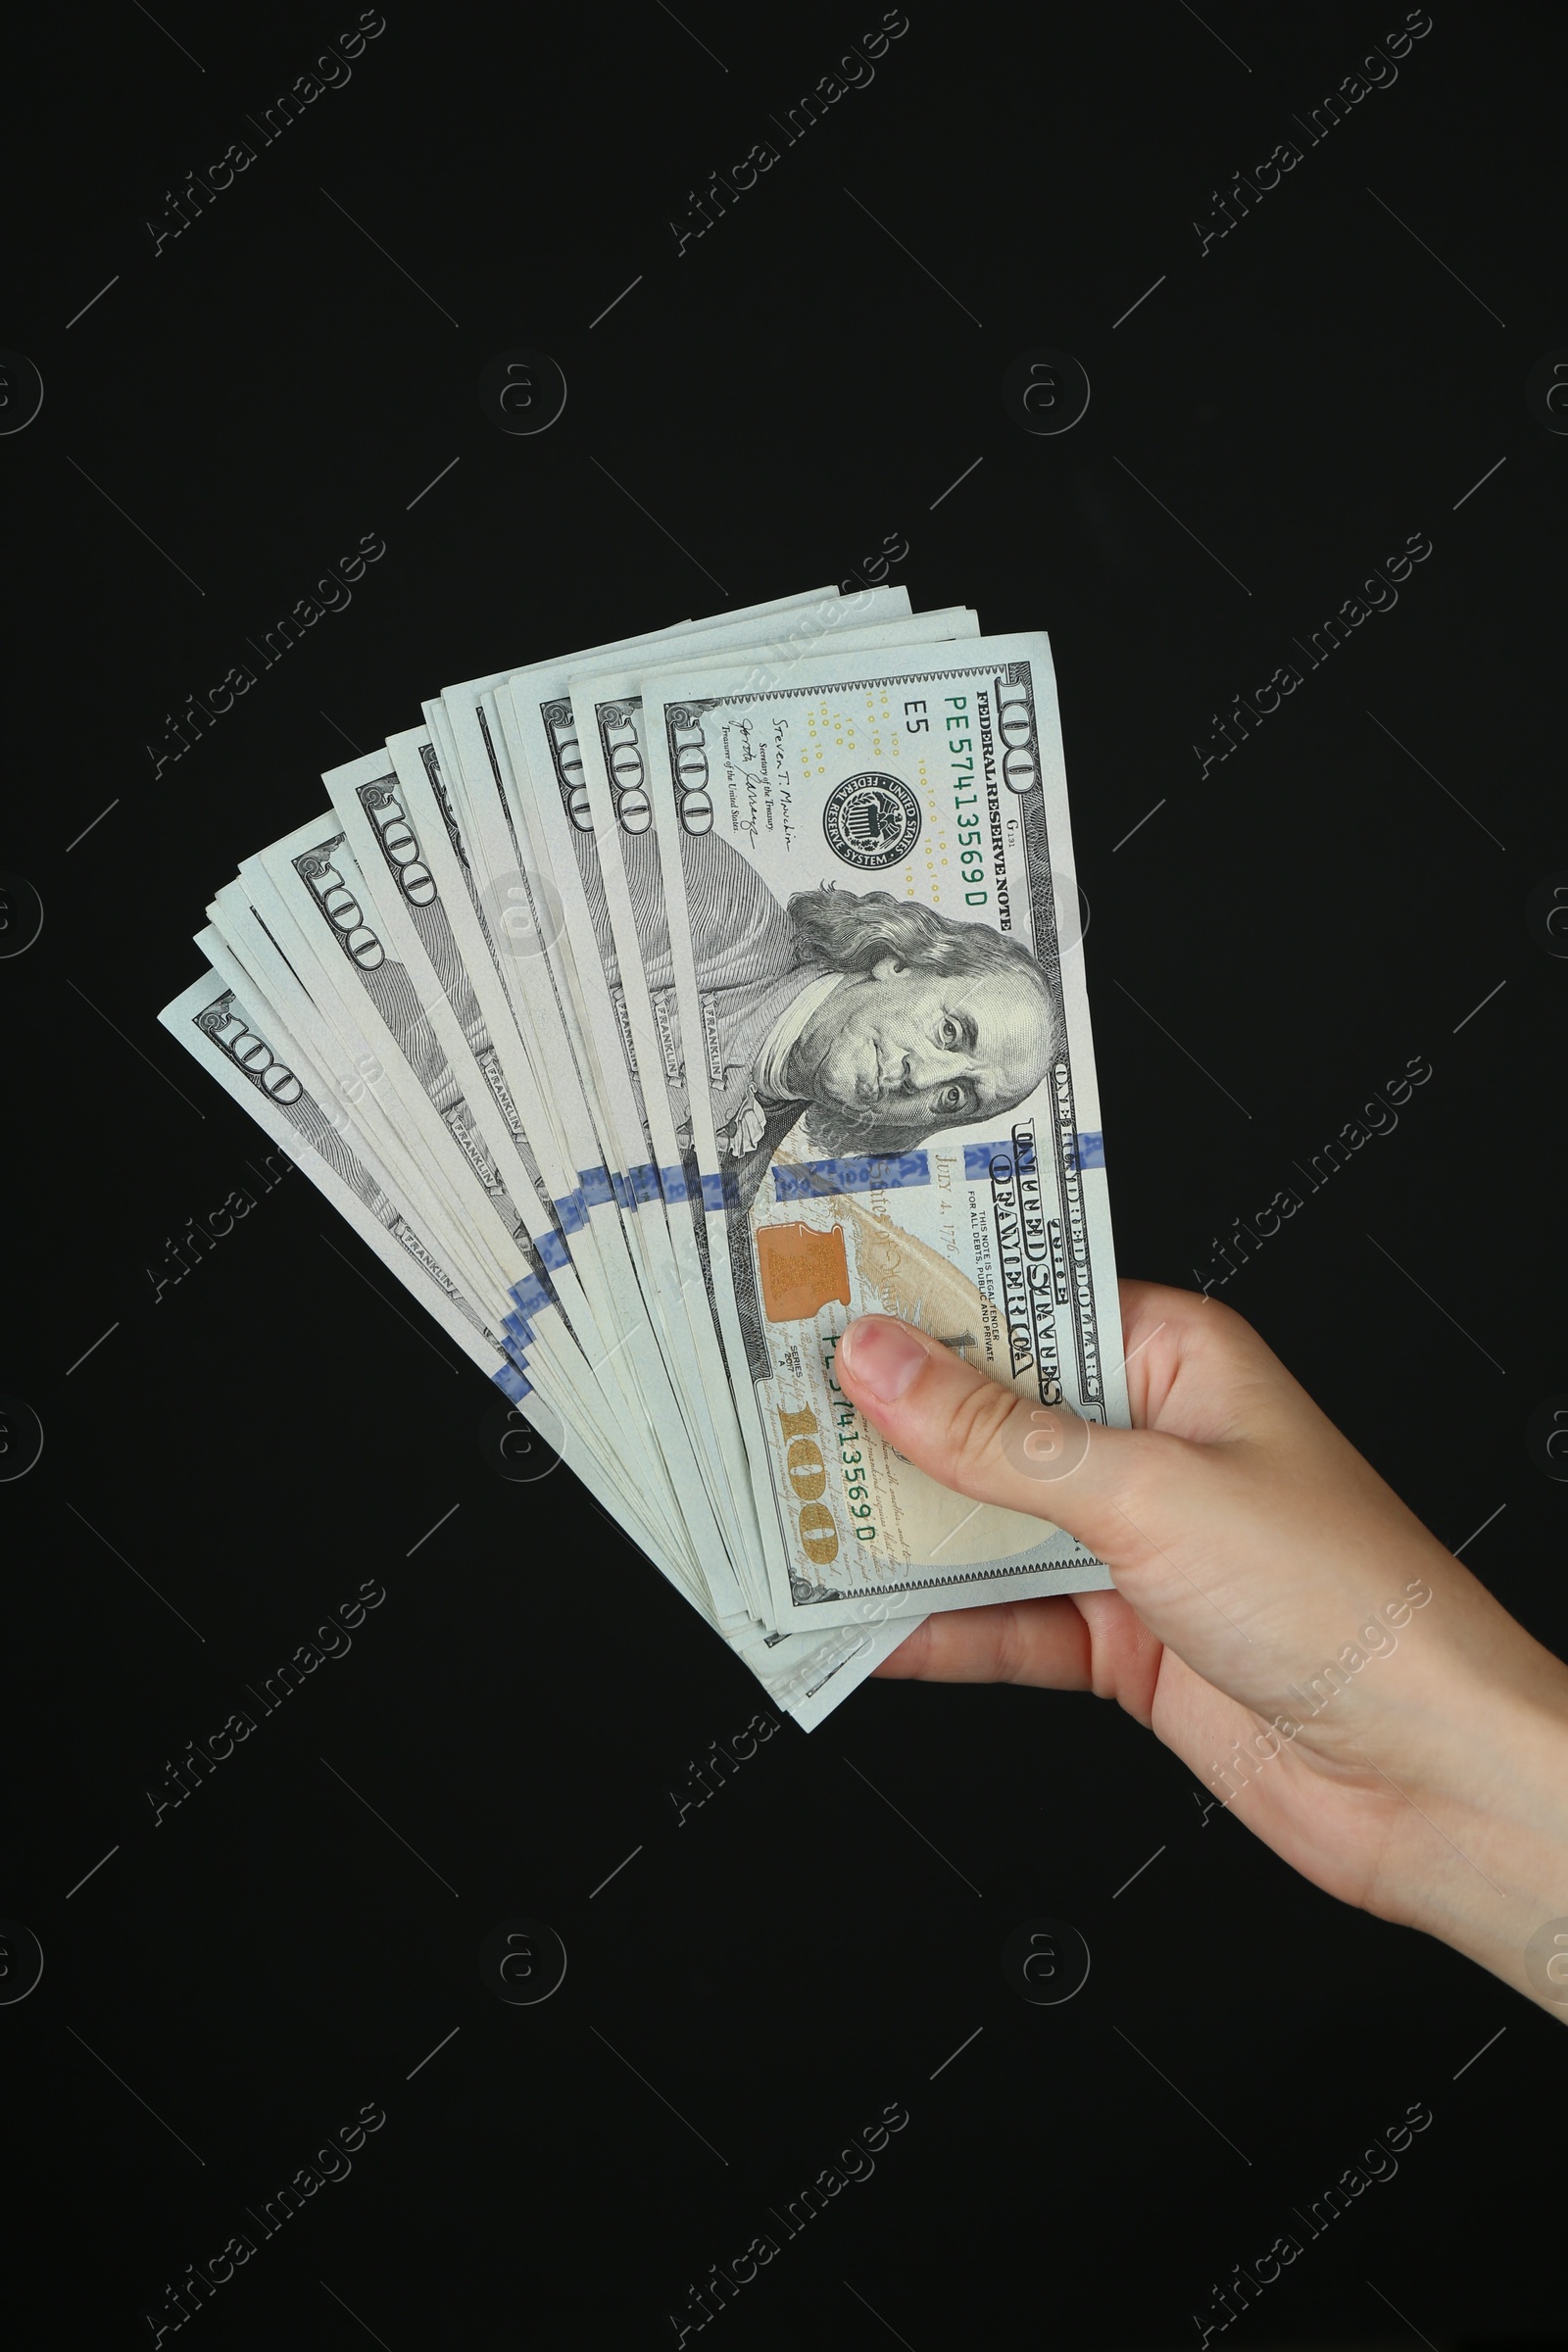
{"x": 865, "y": 1173}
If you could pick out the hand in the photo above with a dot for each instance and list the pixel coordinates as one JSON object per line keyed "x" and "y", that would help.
{"x": 1280, "y": 1619}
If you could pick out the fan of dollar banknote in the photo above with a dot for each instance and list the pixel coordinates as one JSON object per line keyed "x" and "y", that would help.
{"x": 653, "y": 1011}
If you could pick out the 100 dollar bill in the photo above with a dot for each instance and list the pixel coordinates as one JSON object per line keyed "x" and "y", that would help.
{"x": 869, "y": 885}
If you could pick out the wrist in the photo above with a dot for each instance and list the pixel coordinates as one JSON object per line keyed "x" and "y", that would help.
{"x": 1486, "y": 1868}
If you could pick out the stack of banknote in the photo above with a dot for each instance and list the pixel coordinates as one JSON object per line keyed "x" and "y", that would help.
{"x": 653, "y": 1011}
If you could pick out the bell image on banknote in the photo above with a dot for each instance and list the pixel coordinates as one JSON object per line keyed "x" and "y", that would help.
{"x": 655, "y": 1011}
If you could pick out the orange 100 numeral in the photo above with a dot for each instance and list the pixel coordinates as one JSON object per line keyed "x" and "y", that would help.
{"x": 806, "y": 1473}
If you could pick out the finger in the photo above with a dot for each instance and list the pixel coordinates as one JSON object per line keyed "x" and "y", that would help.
{"x": 987, "y": 1442}
{"x": 1077, "y": 1642}
{"x": 1145, "y": 1503}
{"x": 1044, "y": 1642}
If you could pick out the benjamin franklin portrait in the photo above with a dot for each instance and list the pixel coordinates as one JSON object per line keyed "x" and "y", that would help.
{"x": 867, "y": 1021}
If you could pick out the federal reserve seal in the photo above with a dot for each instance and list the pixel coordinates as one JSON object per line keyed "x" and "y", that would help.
{"x": 872, "y": 821}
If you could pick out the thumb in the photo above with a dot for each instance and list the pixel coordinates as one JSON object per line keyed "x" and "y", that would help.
{"x": 1121, "y": 1492}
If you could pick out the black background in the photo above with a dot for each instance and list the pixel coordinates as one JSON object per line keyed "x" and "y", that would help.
{"x": 231, "y": 1461}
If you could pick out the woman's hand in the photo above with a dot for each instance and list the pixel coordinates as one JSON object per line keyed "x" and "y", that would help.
{"x": 1280, "y": 1619}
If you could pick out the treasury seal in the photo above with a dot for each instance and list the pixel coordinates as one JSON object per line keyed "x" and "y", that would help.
{"x": 872, "y": 821}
